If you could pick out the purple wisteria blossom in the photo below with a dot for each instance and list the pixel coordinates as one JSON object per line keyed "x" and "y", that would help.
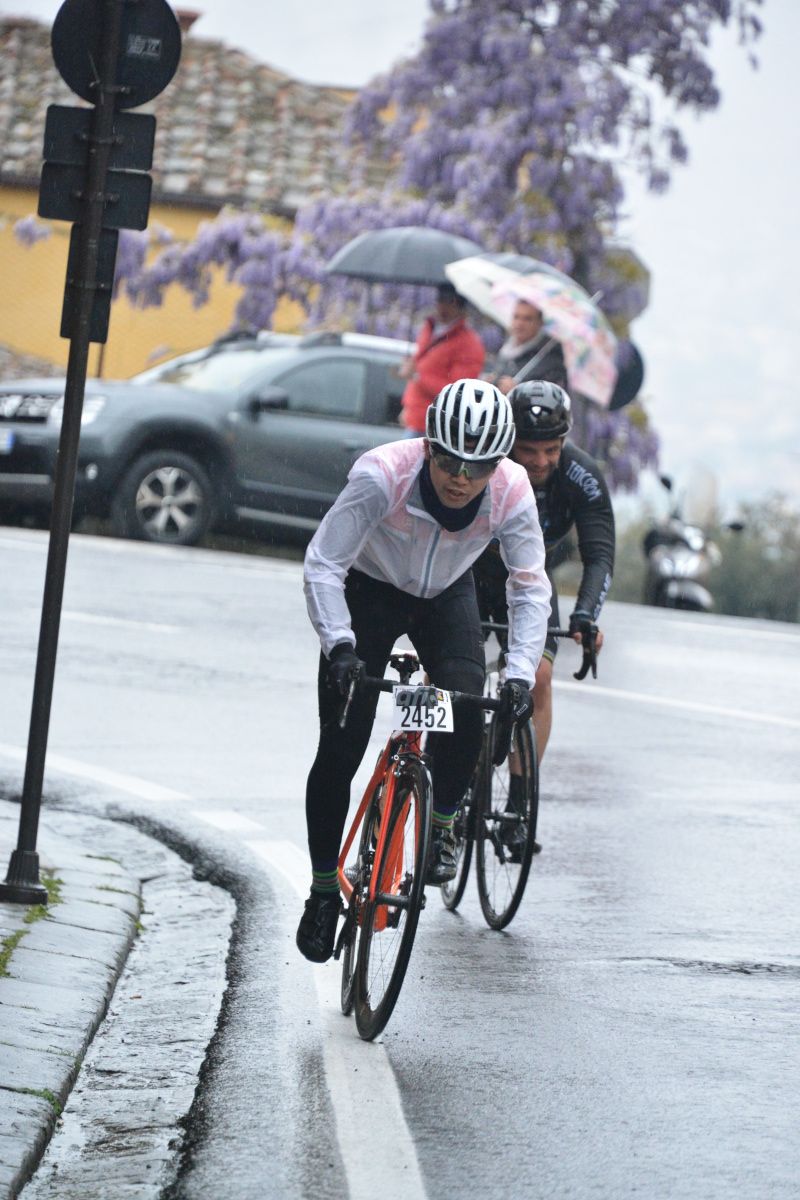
{"x": 510, "y": 126}
{"x": 30, "y": 230}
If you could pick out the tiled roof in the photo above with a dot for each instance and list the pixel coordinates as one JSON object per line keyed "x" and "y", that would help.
{"x": 229, "y": 128}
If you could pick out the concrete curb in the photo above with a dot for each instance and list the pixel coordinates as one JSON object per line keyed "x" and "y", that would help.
{"x": 117, "y": 889}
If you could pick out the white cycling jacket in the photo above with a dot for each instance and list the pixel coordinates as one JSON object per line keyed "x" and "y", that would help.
{"x": 379, "y": 526}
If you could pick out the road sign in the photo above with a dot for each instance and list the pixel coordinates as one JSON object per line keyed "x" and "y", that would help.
{"x": 67, "y": 134}
{"x": 63, "y": 194}
{"x": 116, "y": 54}
{"x": 149, "y": 48}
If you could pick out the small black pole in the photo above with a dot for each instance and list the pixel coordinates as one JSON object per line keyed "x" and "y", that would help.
{"x": 22, "y": 884}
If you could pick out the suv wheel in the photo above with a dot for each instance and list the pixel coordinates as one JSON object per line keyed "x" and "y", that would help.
{"x": 164, "y": 497}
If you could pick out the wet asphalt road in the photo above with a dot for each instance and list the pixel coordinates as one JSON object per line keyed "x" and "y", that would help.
{"x": 634, "y": 1031}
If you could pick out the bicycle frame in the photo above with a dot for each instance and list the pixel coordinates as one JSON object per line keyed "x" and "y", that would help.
{"x": 397, "y": 747}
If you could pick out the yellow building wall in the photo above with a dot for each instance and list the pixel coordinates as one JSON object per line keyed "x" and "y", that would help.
{"x": 33, "y": 288}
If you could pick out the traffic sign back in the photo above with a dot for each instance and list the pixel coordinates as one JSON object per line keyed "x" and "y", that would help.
{"x": 149, "y": 51}
{"x": 68, "y": 130}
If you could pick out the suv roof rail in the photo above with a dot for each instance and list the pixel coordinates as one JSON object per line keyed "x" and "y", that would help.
{"x": 235, "y": 335}
{"x": 323, "y": 337}
{"x": 268, "y": 336}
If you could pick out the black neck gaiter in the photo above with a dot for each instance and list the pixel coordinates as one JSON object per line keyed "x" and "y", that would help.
{"x": 451, "y": 519}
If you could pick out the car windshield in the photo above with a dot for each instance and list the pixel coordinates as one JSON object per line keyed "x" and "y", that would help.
{"x": 223, "y": 371}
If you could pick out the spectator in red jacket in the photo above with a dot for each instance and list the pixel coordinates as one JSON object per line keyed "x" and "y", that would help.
{"x": 447, "y": 349}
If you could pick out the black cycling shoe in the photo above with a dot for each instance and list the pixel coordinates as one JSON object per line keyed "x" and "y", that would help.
{"x": 514, "y": 844}
{"x": 316, "y": 933}
{"x": 442, "y": 866}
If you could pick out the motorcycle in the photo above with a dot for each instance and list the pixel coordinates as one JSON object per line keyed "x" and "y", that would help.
{"x": 680, "y": 557}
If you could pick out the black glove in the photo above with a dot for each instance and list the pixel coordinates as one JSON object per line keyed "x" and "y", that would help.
{"x": 344, "y": 666}
{"x": 517, "y": 701}
{"x": 581, "y": 622}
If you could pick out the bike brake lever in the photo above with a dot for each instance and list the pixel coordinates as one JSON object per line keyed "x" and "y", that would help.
{"x": 348, "y": 701}
{"x": 502, "y": 746}
{"x": 589, "y": 656}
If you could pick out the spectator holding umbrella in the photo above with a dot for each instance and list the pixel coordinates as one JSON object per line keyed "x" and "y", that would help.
{"x": 555, "y": 329}
{"x": 529, "y": 352}
{"x": 447, "y": 349}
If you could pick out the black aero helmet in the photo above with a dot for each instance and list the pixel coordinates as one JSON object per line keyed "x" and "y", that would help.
{"x": 541, "y": 410}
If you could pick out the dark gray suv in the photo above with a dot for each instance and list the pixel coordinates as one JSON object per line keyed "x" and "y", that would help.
{"x": 262, "y": 429}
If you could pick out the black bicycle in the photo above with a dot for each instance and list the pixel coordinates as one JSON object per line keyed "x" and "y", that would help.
{"x": 500, "y": 808}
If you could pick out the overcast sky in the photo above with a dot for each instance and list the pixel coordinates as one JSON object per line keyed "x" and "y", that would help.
{"x": 719, "y": 338}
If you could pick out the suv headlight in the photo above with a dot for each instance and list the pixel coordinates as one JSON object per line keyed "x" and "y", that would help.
{"x": 92, "y": 407}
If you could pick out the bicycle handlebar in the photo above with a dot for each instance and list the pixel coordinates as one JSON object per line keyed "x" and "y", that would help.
{"x": 388, "y": 685}
{"x": 588, "y": 642}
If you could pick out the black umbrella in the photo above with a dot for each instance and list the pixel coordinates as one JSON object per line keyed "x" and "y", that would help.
{"x": 403, "y": 254}
{"x": 630, "y": 374}
{"x": 523, "y": 264}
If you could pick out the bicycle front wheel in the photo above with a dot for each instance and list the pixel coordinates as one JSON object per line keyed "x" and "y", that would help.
{"x": 505, "y": 826}
{"x": 464, "y": 833}
{"x": 389, "y": 921}
{"x": 361, "y": 872}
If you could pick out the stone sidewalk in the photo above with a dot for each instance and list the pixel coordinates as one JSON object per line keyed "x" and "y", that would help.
{"x": 109, "y": 997}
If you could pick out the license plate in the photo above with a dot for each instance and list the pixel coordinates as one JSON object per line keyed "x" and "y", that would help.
{"x": 6, "y": 440}
{"x": 423, "y": 708}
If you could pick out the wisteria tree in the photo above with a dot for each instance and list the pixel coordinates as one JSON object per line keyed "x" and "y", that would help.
{"x": 513, "y": 125}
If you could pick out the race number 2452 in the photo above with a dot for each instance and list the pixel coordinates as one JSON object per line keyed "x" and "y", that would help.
{"x": 426, "y": 709}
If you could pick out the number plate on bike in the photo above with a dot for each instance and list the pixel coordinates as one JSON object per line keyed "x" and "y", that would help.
{"x": 424, "y": 708}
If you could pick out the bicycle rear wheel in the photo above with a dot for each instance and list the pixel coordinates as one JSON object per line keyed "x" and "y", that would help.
{"x": 354, "y": 918}
{"x": 389, "y": 921}
{"x": 464, "y": 833}
{"x": 505, "y": 826}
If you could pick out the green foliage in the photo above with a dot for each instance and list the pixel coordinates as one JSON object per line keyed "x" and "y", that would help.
{"x": 759, "y": 575}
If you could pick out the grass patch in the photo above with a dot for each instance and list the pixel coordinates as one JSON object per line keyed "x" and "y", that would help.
{"x": 7, "y": 947}
{"x": 103, "y": 858}
{"x": 43, "y": 1094}
{"x": 119, "y": 891}
{"x": 52, "y": 885}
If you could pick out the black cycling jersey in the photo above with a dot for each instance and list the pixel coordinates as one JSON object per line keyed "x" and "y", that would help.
{"x": 576, "y": 495}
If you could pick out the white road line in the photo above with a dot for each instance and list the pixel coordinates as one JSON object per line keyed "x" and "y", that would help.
{"x": 98, "y": 619}
{"x": 123, "y": 783}
{"x": 228, "y": 821}
{"x": 356, "y": 1072}
{"x": 718, "y": 628}
{"x": 713, "y": 710}
{"x": 86, "y": 618}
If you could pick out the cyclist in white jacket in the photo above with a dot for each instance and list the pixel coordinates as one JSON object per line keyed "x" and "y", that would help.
{"x": 393, "y": 556}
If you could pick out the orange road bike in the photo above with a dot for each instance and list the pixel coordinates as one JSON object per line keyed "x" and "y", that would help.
{"x": 499, "y": 811}
{"x": 384, "y": 883}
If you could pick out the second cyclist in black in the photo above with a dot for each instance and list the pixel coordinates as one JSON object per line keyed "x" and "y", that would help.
{"x": 570, "y": 493}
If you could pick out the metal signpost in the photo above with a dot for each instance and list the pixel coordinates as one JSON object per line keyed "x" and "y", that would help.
{"x": 116, "y": 54}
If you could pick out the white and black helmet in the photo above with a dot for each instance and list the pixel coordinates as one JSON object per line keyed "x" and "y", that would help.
{"x": 471, "y": 419}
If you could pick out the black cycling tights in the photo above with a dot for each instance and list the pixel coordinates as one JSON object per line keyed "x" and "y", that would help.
{"x": 446, "y": 634}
